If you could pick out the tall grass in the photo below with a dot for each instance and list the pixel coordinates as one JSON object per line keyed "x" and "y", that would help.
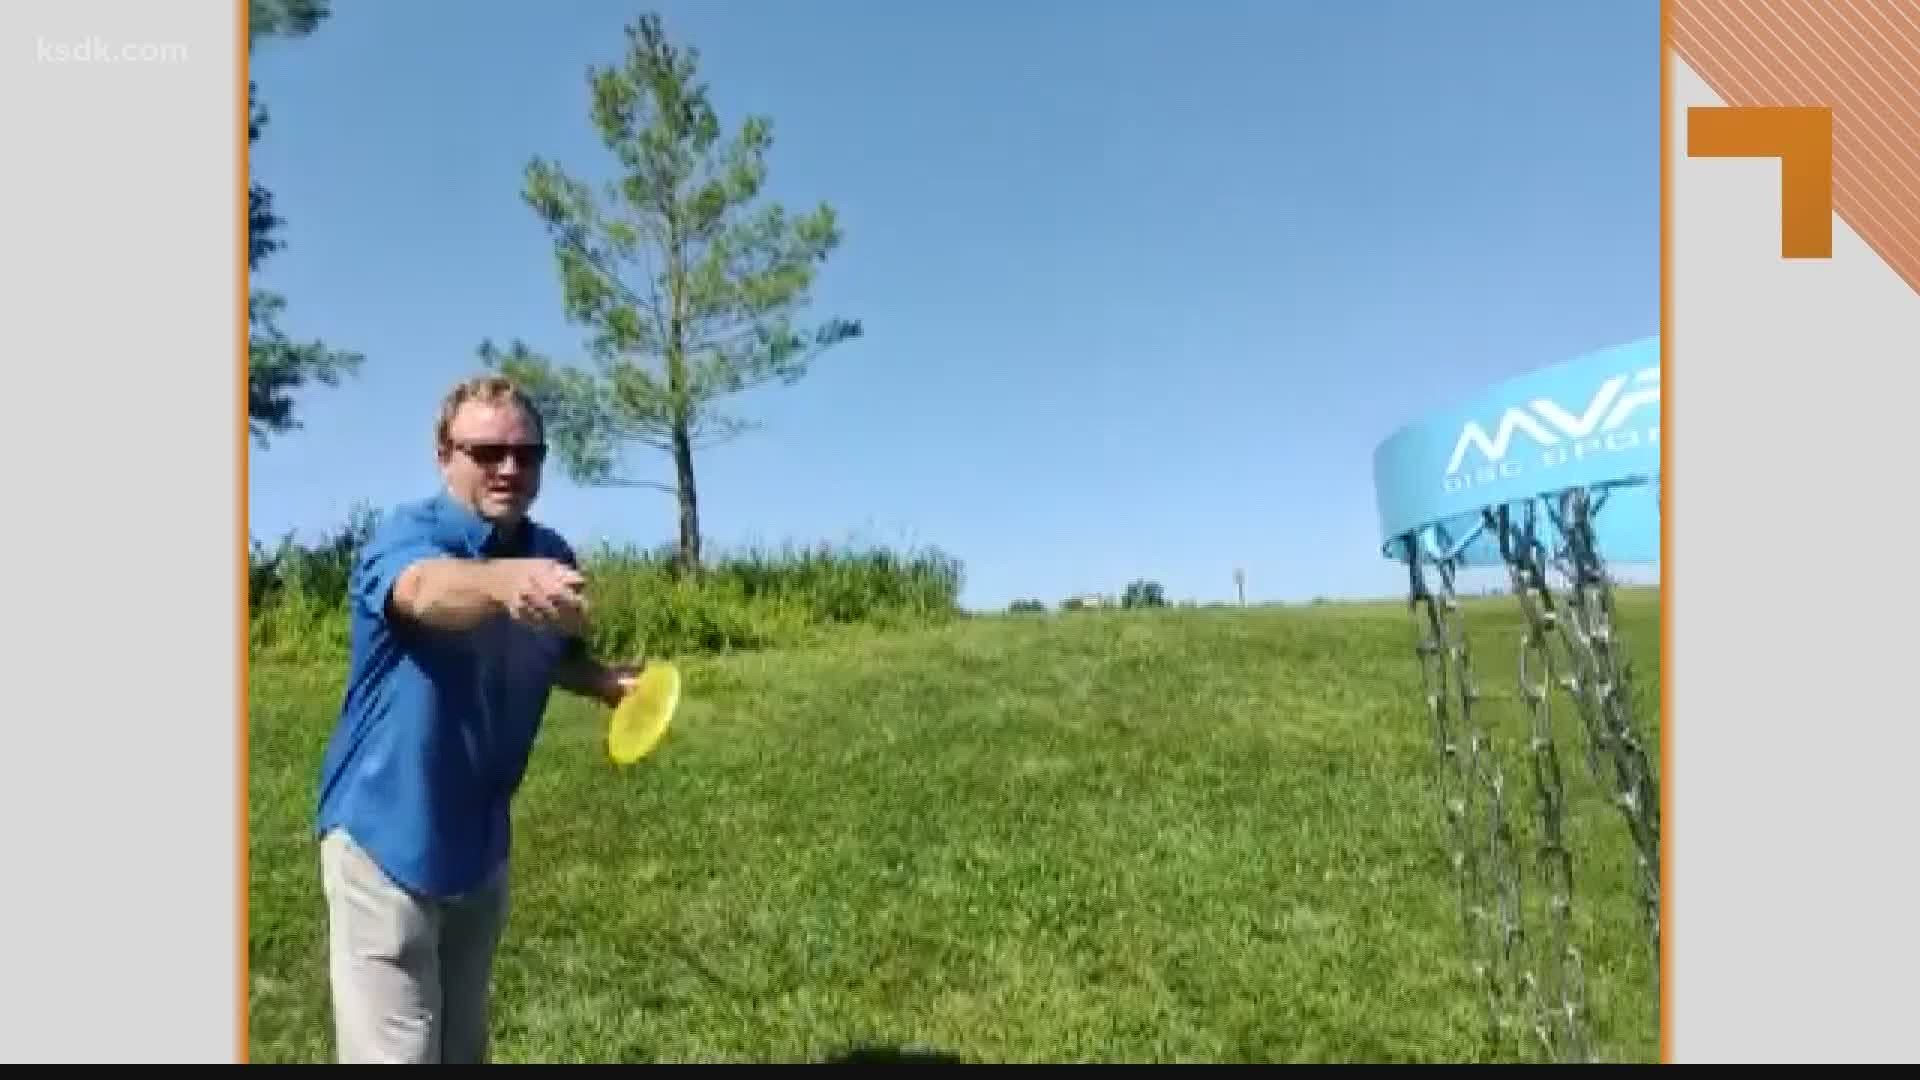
{"x": 748, "y": 599}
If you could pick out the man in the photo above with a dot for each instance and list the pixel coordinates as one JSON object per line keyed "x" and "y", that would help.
{"x": 464, "y": 614}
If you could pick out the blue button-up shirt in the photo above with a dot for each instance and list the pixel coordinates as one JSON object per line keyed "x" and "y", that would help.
{"x": 436, "y": 727}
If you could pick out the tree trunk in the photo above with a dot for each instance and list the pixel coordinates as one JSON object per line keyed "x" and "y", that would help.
{"x": 689, "y": 551}
{"x": 687, "y": 560}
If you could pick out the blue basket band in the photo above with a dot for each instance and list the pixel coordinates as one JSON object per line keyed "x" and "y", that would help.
{"x": 1592, "y": 422}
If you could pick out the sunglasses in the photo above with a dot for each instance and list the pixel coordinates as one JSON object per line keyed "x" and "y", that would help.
{"x": 487, "y": 455}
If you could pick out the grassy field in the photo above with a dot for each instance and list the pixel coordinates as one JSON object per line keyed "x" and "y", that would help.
{"x": 1165, "y": 835}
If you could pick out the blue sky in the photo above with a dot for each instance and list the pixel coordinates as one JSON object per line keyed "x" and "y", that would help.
{"x": 1143, "y": 285}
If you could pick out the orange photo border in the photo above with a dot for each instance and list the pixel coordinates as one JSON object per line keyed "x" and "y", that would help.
{"x": 242, "y": 431}
{"x": 1665, "y": 958}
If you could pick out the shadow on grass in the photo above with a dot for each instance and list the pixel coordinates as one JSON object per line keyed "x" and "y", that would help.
{"x": 894, "y": 1055}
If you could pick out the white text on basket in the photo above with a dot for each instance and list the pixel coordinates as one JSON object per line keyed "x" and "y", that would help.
{"x": 1558, "y": 435}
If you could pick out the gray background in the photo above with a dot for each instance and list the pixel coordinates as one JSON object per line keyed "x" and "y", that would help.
{"x": 1793, "y": 657}
{"x": 121, "y": 206}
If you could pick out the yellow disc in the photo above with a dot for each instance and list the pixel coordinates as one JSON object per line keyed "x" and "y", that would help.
{"x": 641, "y": 718}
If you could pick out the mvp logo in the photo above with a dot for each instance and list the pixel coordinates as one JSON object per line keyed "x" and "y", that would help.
{"x": 1545, "y": 422}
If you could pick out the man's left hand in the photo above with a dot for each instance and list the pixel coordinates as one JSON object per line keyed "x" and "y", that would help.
{"x": 617, "y": 682}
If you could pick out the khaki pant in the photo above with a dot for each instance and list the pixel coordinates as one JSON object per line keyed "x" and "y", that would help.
{"x": 411, "y": 975}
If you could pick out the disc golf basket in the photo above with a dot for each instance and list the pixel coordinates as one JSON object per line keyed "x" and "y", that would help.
{"x": 1549, "y": 478}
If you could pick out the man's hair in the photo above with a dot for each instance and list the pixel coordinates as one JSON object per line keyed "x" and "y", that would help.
{"x": 487, "y": 390}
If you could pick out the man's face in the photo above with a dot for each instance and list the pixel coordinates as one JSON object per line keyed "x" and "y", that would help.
{"x": 493, "y": 462}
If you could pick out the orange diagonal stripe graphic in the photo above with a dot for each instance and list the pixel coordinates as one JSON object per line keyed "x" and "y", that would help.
{"x": 1859, "y": 58}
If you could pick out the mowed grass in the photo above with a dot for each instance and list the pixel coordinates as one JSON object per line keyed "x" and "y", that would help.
{"x": 1171, "y": 835}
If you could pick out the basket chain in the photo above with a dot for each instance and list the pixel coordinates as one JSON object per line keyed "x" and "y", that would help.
{"x": 1604, "y": 690}
{"x": 1469, "y": 775}
{"x": 1568, "y": 642}
{"x": 1563, "y": 1027}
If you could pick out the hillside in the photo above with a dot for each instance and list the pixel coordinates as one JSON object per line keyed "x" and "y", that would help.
{"x": 1203, "y": 835}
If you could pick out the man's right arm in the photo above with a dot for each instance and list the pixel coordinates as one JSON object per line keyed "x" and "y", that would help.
{"x": 459, "y": 594}
{"x": 408, "y": 574}
{"x": 450, "y": 594}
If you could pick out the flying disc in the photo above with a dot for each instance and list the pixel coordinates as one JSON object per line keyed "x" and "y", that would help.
{"x": 641, "y": 718}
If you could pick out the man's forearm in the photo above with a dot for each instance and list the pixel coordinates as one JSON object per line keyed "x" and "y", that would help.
{"x": 450, "y": 594}
{"x": 581, "y": 674}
